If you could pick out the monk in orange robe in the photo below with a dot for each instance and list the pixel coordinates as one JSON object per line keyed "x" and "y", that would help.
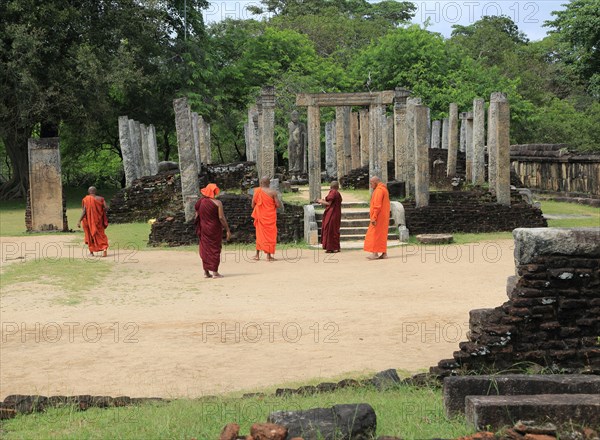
{"x": 379, "y": 213}
{"x": 94, "y": 221}
{"x": 264, "y": 213}
{"x": 210, "y": 222}
{"x": 332, "y": 219}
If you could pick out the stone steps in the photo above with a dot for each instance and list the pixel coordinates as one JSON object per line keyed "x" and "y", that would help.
{"x": 352, "y": 223}
{"x": 362, "y": 231}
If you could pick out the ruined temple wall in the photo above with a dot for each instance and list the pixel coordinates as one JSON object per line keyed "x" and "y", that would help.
{"x": 552, "y": 316}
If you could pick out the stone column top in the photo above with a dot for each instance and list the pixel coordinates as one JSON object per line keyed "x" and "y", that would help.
{"x": 532, "y": 242}
{"x": 469, "y": 116}
{"x": 498, "y": 97}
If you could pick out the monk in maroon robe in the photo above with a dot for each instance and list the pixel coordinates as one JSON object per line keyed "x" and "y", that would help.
{"x": 332, "y": 218}
{"x": 210, "y": 221}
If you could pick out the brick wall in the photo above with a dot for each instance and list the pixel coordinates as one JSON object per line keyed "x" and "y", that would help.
{"x": 552, "y": 317}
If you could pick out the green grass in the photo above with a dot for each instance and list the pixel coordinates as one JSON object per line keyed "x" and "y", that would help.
{"x": 574, "y": 209}
{"x": 405, "y": 411}
{"x": 70, "y": 275}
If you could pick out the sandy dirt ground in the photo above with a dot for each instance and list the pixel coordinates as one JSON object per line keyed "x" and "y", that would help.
{"x": 155, "y": 327}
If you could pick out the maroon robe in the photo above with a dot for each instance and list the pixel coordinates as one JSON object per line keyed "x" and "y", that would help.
{"x": 210, "y": 232}
{"x": 332, "y": 218}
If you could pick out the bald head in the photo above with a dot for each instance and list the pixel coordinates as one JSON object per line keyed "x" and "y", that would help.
{"x": 334, "y": 185}
{"x": 265, "y": 182}
{"x": 92, "y": 190}
{"x": 374, "y": 181}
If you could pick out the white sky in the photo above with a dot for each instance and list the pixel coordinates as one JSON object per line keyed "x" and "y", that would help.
{"x": 528, "y": 15}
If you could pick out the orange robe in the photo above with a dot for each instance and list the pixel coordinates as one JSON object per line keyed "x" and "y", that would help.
{"x": 376, "y": 238}
{"x": 94, "y": 223}
{"x": 265, "y": 221}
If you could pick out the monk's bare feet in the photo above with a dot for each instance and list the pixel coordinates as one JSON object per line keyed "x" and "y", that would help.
{"x": 257, "y": 256}
{"x": 383, "y": 256}
{"x": 207, "y": 274}
{"x": 373, "y": 256}
{"x": 217, "y": 275}
{"x": 270, "y": 258}
{"x": 104, "y": 253}
{"x": 91, "y": 254}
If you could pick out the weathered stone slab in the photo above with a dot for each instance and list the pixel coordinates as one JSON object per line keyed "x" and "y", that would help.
{"x": 352, "y": 421}
{"x": 152, "y": 150}
{"x": 456, "y": 388}
{"x": 330, "y": 151}
{"x": 187, "y": 157}
{"x": 435, "y": 238}
{"x": 495, "y": 412}
{"x": 531, "y": 242}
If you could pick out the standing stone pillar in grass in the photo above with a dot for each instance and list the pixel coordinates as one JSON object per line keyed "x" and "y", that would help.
{"x": 445, "y": 125}
{"x": 342, "y": 137}
{"x": 145, "y": 152}
{"x": 204, "y": 139}
{"x": 421, "y": 135}
{"x": 127, "y": 151}
{"x": 491, "y": 140}
{"x": 436, "y": 126}
{"x": 478, "y": 141}
{"x": 296, "y": 145}
{"x": 400, "y": 133}
{"x": 197, "y": 132}
{"x": 410, "y": 150}
{"x": 469, "y": 146}
{"x": 452, "y": 140}
{"x": 188, "y": 166}
{"x": 389, "y": 121}
{"x": 267, "y": 141}
{"x": 314, "y": 152}
{"x": 152, "y": 150}
{"x": 330, "y": 153}
{"x": 502, "y": 148}
{"x": 45, "y": 186}
{"x": 258, "y": 125}
{"x": 355, "y": 140}
{"x": 377, "y": 152}
{"x": 251, "y": 134}
{"x": 135, "y": 141}
{"x": 364, "y": 137}
{"x": 462, "y": 142}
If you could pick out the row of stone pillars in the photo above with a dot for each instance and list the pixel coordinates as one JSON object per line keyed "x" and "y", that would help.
{"x": 138, "y": 148}
{"x": 260, "y": 133}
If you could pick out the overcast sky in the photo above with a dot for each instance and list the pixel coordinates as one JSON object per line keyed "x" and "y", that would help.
{"x": 528, "y": 15}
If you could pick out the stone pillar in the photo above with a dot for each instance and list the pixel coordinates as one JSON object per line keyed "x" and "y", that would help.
{"x": 436, "y": 126}
{"x": 491, "y": 144}
{"x": 355, "y": 140}
{"x": 469, "y": 147}
{"x": 205, "y": 139}
{"x": 502, "y": 148}
{"x": 45, "y": 185}
{"x": 410, "y": 150}
{"x": 445, "y": 124}
{"x": 251, "y": 138}
{"x": 267, "y": 143}
{"x": 330, "y": 153}
{"x": 342, "y": 136}
{"x": 377, "y": 152}
{"x": 314, "y": 152}
{"x": 136, "y": 147}
{"x": 127, "y": 151}
{"x": 389, "y": 120}
{"x": 258, "y": 125}
{"x": 145, "y": 152}
{"x": 421, "y": 130}
{"x": 152, "y": 150}
{"x": 364, "y": 137}
{"x": 478, "y": 141}
{"x": 462, "y": 116}
{"x": 400, "y": 134}
{"x": 197, "y": 132}
{"x": 452, "y": 140}
{"x": 188, "y": 166}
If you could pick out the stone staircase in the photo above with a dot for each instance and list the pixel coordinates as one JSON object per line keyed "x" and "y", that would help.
{"x": 354, "y": 225}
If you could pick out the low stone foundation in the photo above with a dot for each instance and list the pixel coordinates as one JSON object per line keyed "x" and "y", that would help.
{"x": 552, "y": 318}
{"x": 28, "y": 221}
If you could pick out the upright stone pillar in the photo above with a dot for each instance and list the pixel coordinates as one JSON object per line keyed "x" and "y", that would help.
{"x": 127, "y": 151}
{"x": 342, "y": 136}
{"x": 259, "y": 150}
{"x": 410, "y": 151}
{"x": 491, "y": 139}
{"x": 197, "y": 132}
{"x": 251, "y": 140}
{"x": 205, "y": 139}
{"x": 364, "y": 137}
{"x": 152, "y": 150}
{"x": 330, "y": 153}
{"x": 445, "y": 124}
{"x": 462, "y": 143}
{"x": 355, "y": 140}
{"x": 478, "y": 141}
{"x": 377, "y": 152}
{"x": 452, "y": 140}
{"x": 145, "y": 152}
{"x": 400, "y": 134}
{"x": 436, "y": 126}
{"x": 314, "y": 152}
{"x": 502, "y": 115}
{"x": 136, "y": 147}
{"x": 469, "y": 146}
{"x": 45, "y": 185}
{"x": 188, "y": 166}
{"x": 389, "y": 121}
{"x": 421, "y": 131}
{"x": 267, "y": 143}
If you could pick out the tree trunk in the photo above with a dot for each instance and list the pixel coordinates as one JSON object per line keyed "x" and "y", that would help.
{"x": 16, "y": 148}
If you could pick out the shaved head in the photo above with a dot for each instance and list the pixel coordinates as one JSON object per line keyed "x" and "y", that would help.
{"x": 334, "y": 184}
{"x": 92, "y": 190}
{"x": 265, "y": 181}
{"x": 374, "y": 181}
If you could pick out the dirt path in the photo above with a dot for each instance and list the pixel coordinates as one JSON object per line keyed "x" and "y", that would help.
{"x": 155, "y": 327}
